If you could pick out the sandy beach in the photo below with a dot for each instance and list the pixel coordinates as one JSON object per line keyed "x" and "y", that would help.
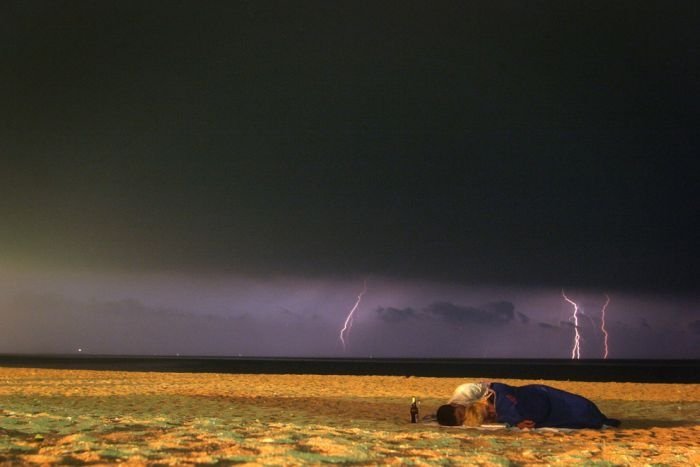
{"x": 145, "y": 418}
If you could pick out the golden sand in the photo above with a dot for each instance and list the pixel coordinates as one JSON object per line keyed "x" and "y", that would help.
{"x": 138, "y": 418}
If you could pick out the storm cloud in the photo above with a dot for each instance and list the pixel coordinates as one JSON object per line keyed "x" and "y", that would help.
{"x": 395, "y": 315}
{"x": 695, "y": 326}
{"x": 223, "y": 180}
{"x": 301, "y": 317}
{"x": 50, "y": 323}
{"x": 493, "y": 314}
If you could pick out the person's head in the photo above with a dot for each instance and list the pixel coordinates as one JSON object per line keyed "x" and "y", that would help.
{"x": 451, "y": 414}
{"x": 476, "y": 414}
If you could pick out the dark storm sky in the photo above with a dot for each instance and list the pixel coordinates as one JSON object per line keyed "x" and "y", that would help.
{"x": 533, "y": 143}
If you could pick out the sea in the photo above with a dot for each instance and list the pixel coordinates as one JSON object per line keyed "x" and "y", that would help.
{"x": 613, "y": 370}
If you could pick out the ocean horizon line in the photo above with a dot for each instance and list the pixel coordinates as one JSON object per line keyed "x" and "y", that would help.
{"x": 619, "y": 370}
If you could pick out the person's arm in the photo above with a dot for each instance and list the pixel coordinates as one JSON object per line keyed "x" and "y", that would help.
{"x": 533, "y": 405}
{"x": 506, "y": 404}
{"x": 524, "y": 407}
{"x": 526, "y": 424}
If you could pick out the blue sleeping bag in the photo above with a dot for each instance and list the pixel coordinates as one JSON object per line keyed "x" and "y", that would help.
{"x": 547, "y": 407}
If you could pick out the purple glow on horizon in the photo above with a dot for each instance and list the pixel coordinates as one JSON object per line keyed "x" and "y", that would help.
{"x": 291, "y": 316}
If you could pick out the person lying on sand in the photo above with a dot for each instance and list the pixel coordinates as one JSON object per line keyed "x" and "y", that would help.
{"x": 530, "y": 406}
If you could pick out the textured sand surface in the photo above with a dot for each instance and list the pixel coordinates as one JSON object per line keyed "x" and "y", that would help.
{"x": 96, "y": 417}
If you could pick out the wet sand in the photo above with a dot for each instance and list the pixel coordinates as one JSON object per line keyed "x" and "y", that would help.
{"x": 83, "y": 416}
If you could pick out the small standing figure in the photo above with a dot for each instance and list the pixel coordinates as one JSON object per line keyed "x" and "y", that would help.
{"x": 414, "y": 410}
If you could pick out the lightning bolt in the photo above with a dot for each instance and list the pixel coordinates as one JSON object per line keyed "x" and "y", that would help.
{"x": 347, "y": 325}
{"x": 602, "y": 325}
{"x": 576, "y": 350}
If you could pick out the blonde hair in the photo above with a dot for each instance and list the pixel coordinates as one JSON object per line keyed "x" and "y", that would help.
{"x": 476, "y": 413}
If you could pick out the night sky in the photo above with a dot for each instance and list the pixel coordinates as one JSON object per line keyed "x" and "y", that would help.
{"x": 506, "y": 150}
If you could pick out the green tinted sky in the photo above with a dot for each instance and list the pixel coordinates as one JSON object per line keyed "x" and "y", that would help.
{"x": 547, "y": 143}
